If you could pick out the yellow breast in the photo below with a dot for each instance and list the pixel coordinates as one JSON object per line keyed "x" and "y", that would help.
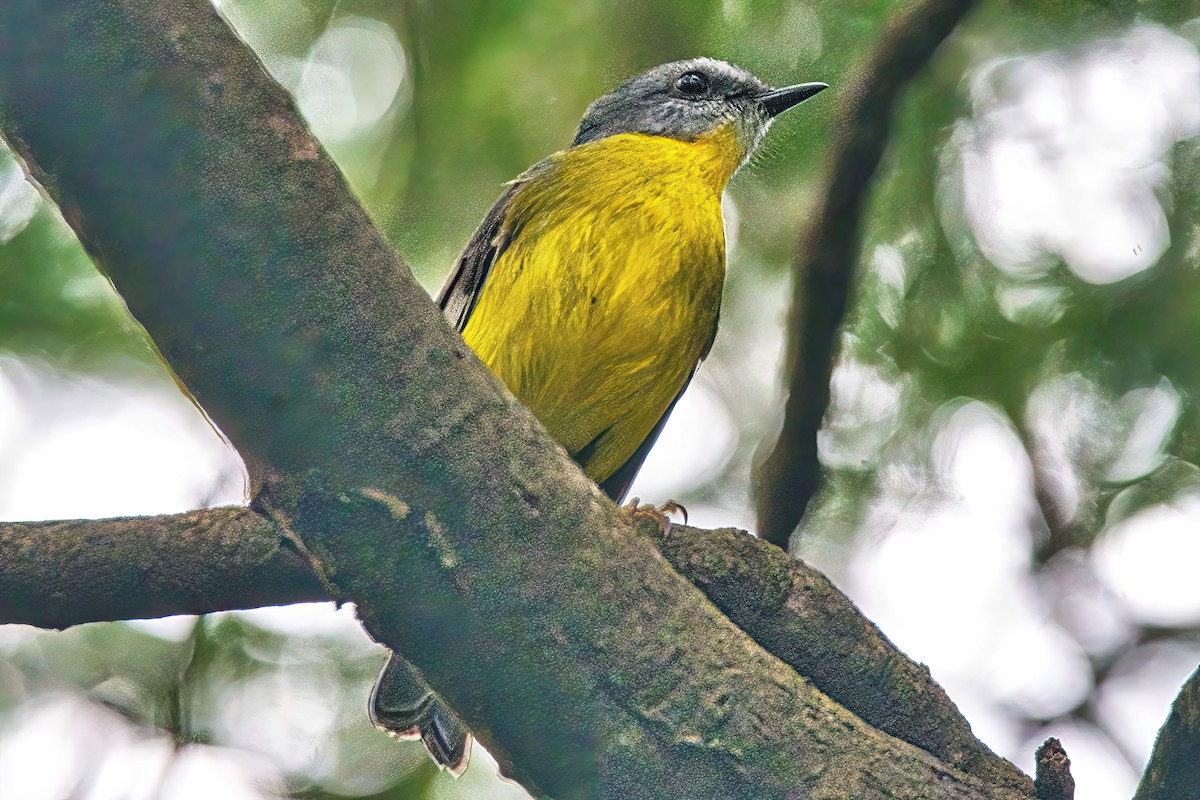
{"x": 597, "y": 312}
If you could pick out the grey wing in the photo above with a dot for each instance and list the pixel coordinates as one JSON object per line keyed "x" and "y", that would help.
{"x": 458, "y": 296}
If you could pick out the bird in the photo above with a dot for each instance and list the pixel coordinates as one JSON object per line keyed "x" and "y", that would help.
{"x": 592, "y": 289}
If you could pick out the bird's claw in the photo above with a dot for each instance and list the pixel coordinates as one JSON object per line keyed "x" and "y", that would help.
{"x": 660, "y": 514}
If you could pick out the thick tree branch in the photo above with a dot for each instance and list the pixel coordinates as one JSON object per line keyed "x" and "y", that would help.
{"x": 828, "y": 250}
{"x": 1174, "y": 769}
{"x": 787, "y": 607}
{"x": 467, "y": 538}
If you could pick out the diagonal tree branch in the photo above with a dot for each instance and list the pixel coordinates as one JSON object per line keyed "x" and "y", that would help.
{"x": 424, "y": 493}
{"x": 1174, "y": 769}
{"x": 828, "y": 250}
{"x": 57, "y": 574}
{"x": 794, "y": 612}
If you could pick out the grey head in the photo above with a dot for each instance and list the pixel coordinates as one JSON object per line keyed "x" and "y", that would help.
{"x": 688, "y": 99}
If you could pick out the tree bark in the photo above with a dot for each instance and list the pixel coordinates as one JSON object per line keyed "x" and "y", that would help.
{"x": 1174, "y": 769}
{"x": 828, "y": 251}
{"x": 57, "y": 574}
{"x": 419, "y": 487}
{"x": 1054, "y": 780}
{"x": 795, "y": 613}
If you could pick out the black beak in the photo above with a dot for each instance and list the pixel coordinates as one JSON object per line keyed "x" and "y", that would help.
{"x": 777, "y": 101}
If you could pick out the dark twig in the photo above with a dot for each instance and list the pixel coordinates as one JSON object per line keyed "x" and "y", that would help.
{"x": 828, "y": 249}
{"x": 1054, "y": 781}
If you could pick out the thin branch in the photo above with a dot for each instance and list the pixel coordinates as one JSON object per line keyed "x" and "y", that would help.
{"x": 58, "y": 574}
{"x": 424, "y": 492}
{"x": 1174, "y": 769}
{"x": 828, "y": 250}
{"x": 230, "y": 558}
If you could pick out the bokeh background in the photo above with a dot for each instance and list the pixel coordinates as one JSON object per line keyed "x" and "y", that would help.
{"x": 1011, "y": 487}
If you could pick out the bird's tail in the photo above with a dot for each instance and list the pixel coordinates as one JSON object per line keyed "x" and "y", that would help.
{"x": 404, "y": 705}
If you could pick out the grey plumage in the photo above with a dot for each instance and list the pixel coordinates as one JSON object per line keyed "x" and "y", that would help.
{"x": 652, "y": 103}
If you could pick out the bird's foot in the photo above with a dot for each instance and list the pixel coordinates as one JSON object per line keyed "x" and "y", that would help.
{"x": 660, "y": 514}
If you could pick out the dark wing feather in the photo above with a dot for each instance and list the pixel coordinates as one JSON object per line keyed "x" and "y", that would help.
{"x": 458, "y": 296}
{"x": 617, "y": 484}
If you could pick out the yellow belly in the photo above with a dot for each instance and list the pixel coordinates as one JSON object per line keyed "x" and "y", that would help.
{"x": 600, "y": 308}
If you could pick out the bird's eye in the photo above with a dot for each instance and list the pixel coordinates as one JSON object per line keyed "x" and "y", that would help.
{"x": 692, "y": 84}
